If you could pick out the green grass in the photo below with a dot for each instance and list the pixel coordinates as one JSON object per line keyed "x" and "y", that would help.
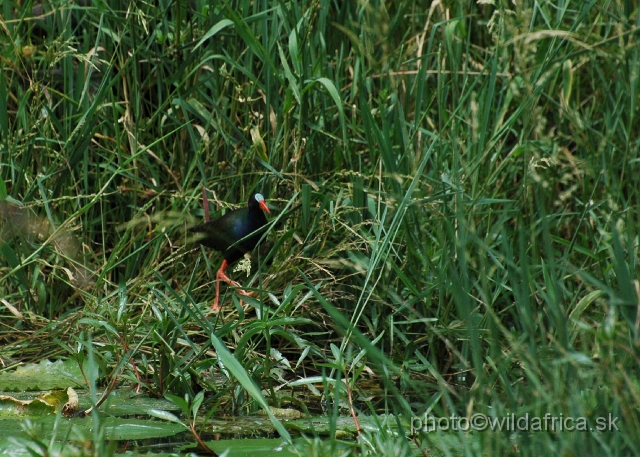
{"x": 455, "y": 187}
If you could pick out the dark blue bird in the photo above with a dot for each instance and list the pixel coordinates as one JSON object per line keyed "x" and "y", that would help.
{"x": 224, "y": 234}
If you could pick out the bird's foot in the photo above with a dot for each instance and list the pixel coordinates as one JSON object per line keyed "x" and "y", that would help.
{"x": 221, "y": 276}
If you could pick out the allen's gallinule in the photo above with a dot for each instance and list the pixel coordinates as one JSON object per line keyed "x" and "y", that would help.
{"x": 224, "y": 234}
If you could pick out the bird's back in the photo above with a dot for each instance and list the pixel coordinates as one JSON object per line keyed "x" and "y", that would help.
{"x": 222, "y": 233}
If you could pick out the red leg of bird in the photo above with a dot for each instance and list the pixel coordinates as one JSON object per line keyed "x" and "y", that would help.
{"x": 221, "y": 276}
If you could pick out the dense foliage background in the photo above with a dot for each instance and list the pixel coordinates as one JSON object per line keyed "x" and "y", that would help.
{"x": 454, "y": 188}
